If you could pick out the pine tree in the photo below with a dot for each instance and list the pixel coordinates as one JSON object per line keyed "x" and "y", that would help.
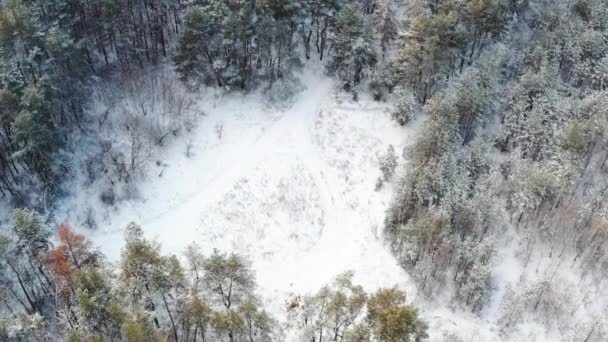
{"x": 392, "y": 319}
{"x": 354, "y": 51}
{"x": 386, "y": 27}
{"x": 22, "y": 264}
{"x": 100, "y": 312}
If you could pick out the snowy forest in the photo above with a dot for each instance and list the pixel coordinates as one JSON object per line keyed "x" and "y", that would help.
{"x": 311, "y": 170}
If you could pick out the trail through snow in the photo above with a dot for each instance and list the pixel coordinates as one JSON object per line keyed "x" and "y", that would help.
{"x": 293, "y": 189}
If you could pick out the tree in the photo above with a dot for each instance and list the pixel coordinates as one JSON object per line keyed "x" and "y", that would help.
{"x": 140, "y": 261}
{"x": 532, "y": 186}
{"x": 535, "y": 113}
{"x": 483, "y": 19}
{"x": 199, "y": 41}
{"x": 24, "y": 327}
{"x": 330, "y": 314}
{"x": 34, "y": 134}
{"x": 392, "y": 320}
{"x": 138, "y": 330}
{"x": 170, "y": 283}
{"x": 429, "y": 46}
{"x": 353, "y": 50}
{"x": 228, "y": 323}
{"x": 228, "y": 277}
{"x": 234, "y": 43}
{"x": 388, "y": 163}
{"x": 512, "y": 141}
{"x": 360, "y": 332}
{"x": 258, "y": 324}
{"x": 59, "y": 267}
{"x": 318, "y": 20}
{"x": 277, "y": 41}
{"x": 32, "y": 236}
{"x": 343, "y": 311}
{"x": 146, "y": 274}
{"x": 345, "y": 305}
{"x": 386, "y": 27}
{"x": 185, "y": 303}
{"x": 100, "y": 313}
{"x": 473, "y": 276}
{"x": 198, "y": 313}
{"x": 77, "y": 247}
{"x": 23, "y": 269}
{"x": 407, "y": 107}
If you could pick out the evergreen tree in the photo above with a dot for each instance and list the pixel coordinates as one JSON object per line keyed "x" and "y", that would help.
{"x": 386, "y": 27}
{"x": 354, "y": 52}
{"x": 100, "y": 313}
{"x": 392, "y": 319}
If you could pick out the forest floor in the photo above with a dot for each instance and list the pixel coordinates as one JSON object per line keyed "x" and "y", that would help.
{"x": 292, "y": 188}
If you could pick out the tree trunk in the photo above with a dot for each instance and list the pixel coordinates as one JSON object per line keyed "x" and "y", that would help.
{"x": 170, "y": 318}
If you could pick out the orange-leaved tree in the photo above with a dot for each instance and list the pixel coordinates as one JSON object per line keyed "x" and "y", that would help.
{"x": 72, "y": 253}
{"x": 77, "y": 247}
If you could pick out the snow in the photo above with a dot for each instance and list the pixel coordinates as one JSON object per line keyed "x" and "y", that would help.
{"x": 293, "y": 188}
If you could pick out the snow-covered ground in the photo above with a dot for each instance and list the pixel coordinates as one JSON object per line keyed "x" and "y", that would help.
{"x": 294, "y": 190}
